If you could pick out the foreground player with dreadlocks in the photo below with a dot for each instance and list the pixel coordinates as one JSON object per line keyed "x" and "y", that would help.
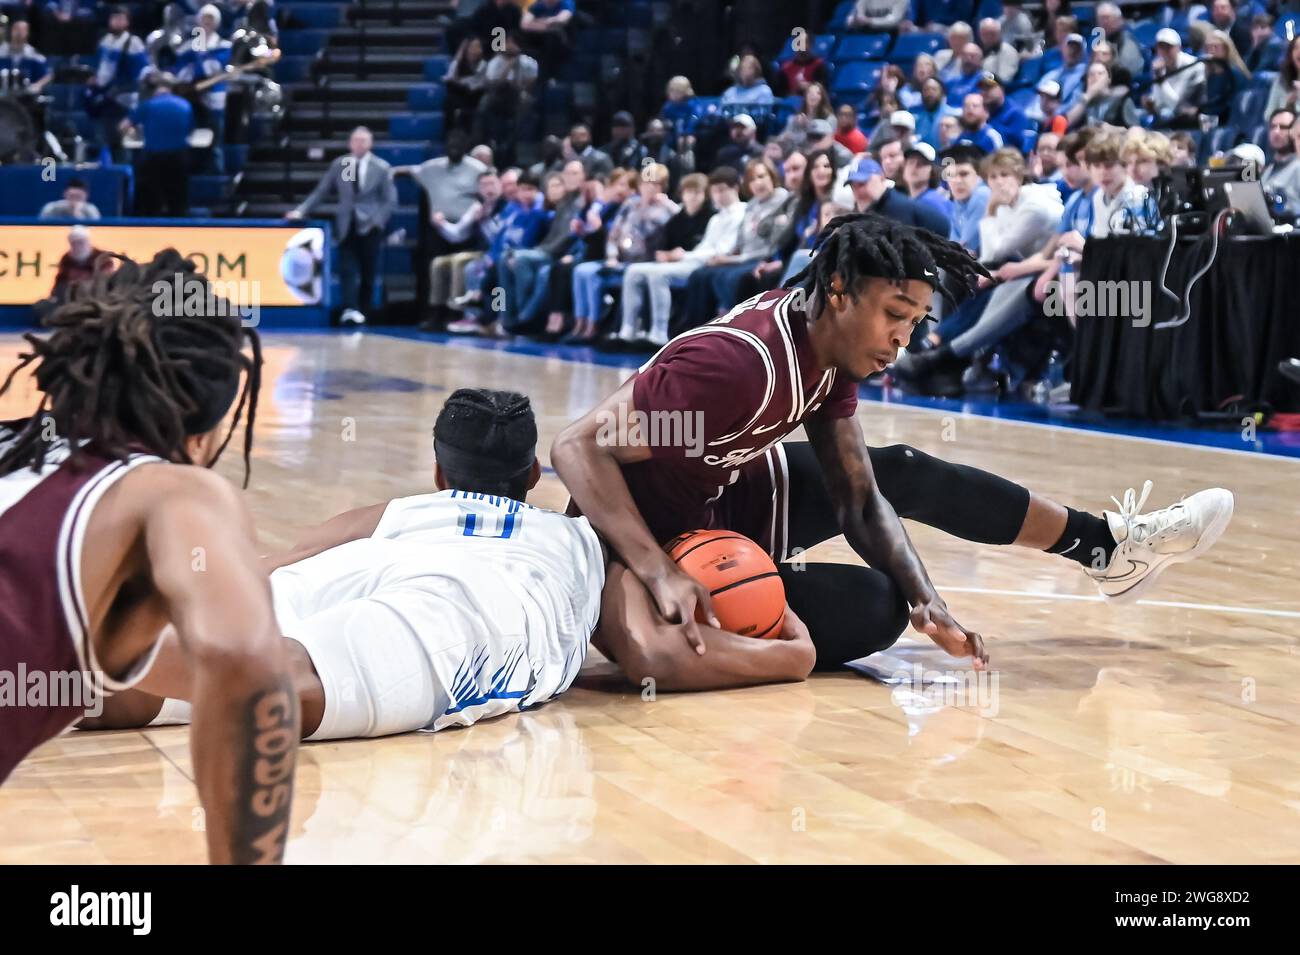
{"x": 111, "y": 526}
{"x": 794, "y": 357}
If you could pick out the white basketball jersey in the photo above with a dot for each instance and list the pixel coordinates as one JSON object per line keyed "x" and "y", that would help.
{"x": 501, "y": 596}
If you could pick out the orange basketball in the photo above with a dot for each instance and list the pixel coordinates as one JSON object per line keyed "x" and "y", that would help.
{"x": 748, "y": 596}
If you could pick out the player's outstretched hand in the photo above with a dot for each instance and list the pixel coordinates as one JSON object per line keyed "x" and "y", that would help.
{"x": 677, "y": 596}
{"x": 934, "y": 620}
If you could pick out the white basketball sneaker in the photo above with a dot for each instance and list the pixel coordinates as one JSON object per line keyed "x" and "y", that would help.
{"x": 1149, "y": 543}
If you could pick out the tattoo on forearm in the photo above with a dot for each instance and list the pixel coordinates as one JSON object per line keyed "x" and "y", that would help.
{"x": 265, "y": 784}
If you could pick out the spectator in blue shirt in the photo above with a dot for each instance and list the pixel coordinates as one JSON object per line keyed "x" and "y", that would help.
{"x": 679, "y": 111}
{"x": 1004, "y": 116}
{"x": 968, "y": 76}
{"x": 18, "y": 54}
{"x": 970, "y": 195}
{"x": 162, "y": 175}
{"x": 205, "y": 57}
{"x": 1069, "y": 76}
{"x": 975, "y": 130}
{"x": 545, "y": 29}
{"x": 921, "y": 177}
{"x": 120, "y": 58}
{"x": 933, "y": 107}
{"x": 750, "y": 88}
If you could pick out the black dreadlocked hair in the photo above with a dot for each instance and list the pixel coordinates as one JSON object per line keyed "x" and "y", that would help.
{"x": 120, "y": 378}
{"x": 486, "y": 442}
{"x": 868, "y": 245}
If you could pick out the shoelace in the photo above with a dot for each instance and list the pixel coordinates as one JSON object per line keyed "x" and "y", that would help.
{"x": 1157, "y": 527}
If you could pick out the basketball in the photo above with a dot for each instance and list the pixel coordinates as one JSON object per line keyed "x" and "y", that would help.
{"x": 748, "y": 596}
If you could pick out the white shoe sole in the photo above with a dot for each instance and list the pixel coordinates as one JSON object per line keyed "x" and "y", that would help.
{"x": 1208, "y": 539}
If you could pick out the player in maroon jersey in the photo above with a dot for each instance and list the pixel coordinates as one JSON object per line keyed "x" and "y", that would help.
{"x": 112, "y": 526}
{"x": 725, "y": 394}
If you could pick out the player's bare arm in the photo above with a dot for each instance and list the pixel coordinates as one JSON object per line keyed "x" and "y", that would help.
{"x": 589, "y": 468}
{"x": 874, "y": 531}
{"x": 245, "y": 717}
{"x": 340, "y": 529}
{"x": 648, "y": 648}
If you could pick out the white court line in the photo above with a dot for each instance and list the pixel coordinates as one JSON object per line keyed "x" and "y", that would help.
{"x": 1173, "y": 604}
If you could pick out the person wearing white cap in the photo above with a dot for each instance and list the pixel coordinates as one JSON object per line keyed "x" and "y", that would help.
{"x": 743, "y": 146}
{"x": 1046, "y": 111}
{"x": 1070, "y": 74}
{"x": 1178, "y": 80}
{"x": 1249, "y": 156}
{"x": 921, "y": 179}
{"x": 204, "y": 56}
{"x": 903, "y": 124}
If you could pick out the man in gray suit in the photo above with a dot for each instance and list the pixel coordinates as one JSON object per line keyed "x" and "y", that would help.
{"x": 362, "y": 184}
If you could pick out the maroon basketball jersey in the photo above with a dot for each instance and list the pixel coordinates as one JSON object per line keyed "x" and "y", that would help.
{"x": 43, "y": 630}
{"x": 716, "y": 400}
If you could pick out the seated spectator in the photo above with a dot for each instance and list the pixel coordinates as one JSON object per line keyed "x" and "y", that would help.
{"x": 1286, "y": 85}
{"x": 1223, "y": 14}
{"x": 713, "y": 290}
{"x": 679, "y": 111}
{"x": 552, "y": 160}
{"x": 1106, "y": 99}
{"x": 113, "y": 90}
{"x": 634, "y": 236}
{"x": 1017, "y": 28}
{"x": 873, "y": 193}
{"x": 809, "y": 181}
{"x": 74, "y": 205}
{"x": 507, "y": 94}
{"x": 1000, "y": 57}
{"x": 1069, "y": 76}
{"x": 525, "y": 273}
{"x": 656, "y": 149}
{"x": 744, "y": 145}
{"x": 1045, "y": 163}
{"x": 544, "y": 28}
{"x": 902, "y": 127}
{"x": 948, "y": 61}
{"x": 879, "y": 16}
{"x": 473, "y": 233}
{"x": 1045, "y": 113}
{"x": 970, "y": 195}
{"x": 465, "y": 80}
{"x": 623, "y": 148}
{"x": 483, "y": 153}
{"x": 816, "y": 105}
{"x": 603, "y": 206}
{"x": 578, "y": 146}
{"x": 1145, "y": 155}
{"x": 1054, "y": 22}
{"x": 674, "y": 266}
{"x": 933, "y": 107}
{"x": 1102, "y": 52}
{"x": 910, "y": 93}
{"x": 1225, "y": 76}
{"x": 1282, "y": 175}
{"x": 921, "y": 179}
{"x": 801, "y": 71}
{"x": 968, "y": 76}
{"x": 1182, "y": 149}
{"x": 884, "y": 106}
{"x": 950, "y": 130}
{"x": 521, "y": 225}
{"x": 1004, "y": 116}
{"x": 847, "y": 133}
{"x": 1128, "y": 53}
{"x": 1261, "y": 55}
{"x": 1178, "y": 85}
{"x": 975, "y": 129}
{"x": 750, "y": 88}
{"x": 892, "y": 82}
{"x": 80, "y": 263}
{"x": 1020, "y": 220}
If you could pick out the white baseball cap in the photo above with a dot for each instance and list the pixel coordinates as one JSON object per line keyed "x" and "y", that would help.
{"x": 1169, "y": 37}
{"x": 901, "y": 117}
{"x": 1248, "y": 152}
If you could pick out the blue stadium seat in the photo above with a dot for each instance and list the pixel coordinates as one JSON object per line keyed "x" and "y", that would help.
{"x": 857, "y": 77}
{"x": 319, "y": 15}
{"x": 944, "y": 11}
{"x": 822, "y": 45}
{"x": 1287, "y": 25}
{"x": 1263, "y": 79}
{"x": 408, "y": 190}
{"x": 910, "y": 45}
{"x": 435, "y": 67}
{"x": 415, "y": 126}
{"x": 1145, "y": 33}
{"x": 1051, "y": 58}
{"x": 425, "y": 97}
{"x": 303, "y": 42}
{"x": 861, "y": 46}
{"x": 1222, "y": 139}
{"x": 1087, "y": 14}
{"x": 1023, "y": 97}
{"x": 1029, "y": 72}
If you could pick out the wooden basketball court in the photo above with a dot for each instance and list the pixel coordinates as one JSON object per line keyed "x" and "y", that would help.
{"x": 1161, "y": 732}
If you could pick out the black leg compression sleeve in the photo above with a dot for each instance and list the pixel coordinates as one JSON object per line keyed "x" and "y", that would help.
{"x": 1087, "y": 539}
{"x": 849, "y": 610}
{"x": 959, "y": 500}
